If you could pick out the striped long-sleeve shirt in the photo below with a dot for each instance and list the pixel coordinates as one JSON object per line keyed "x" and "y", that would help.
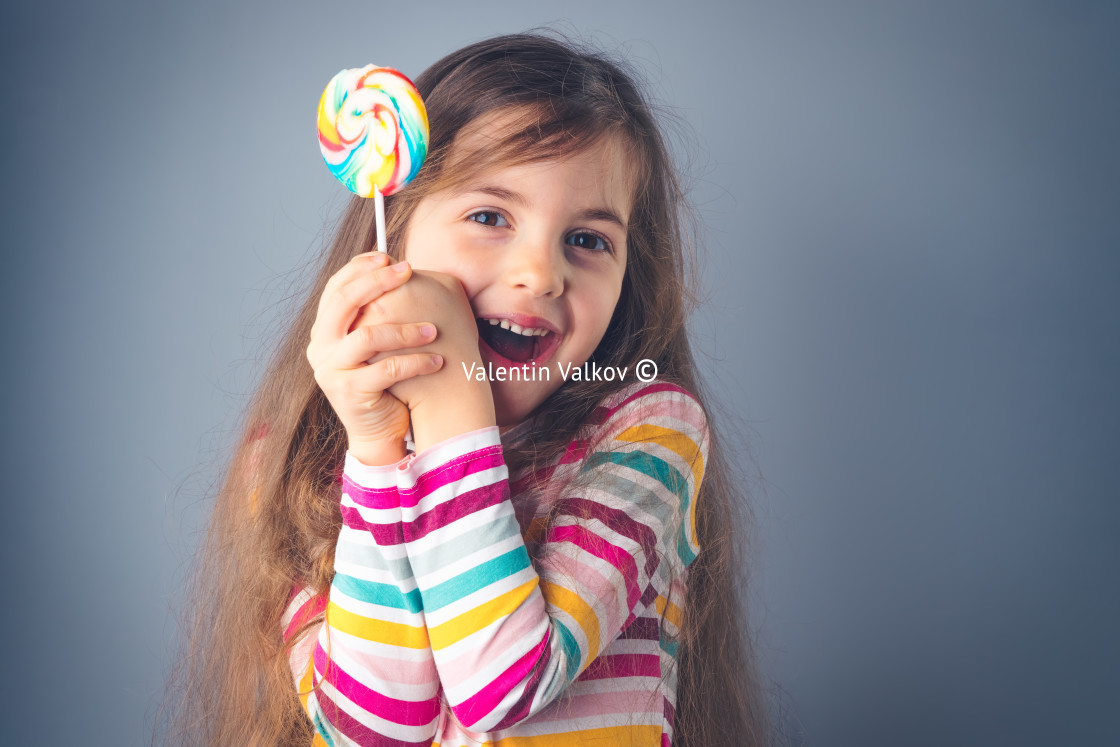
{"x": 449, "y": 621}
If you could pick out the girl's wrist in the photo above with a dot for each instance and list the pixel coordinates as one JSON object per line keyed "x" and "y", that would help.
{"x": 437, "y": 418}
{"x": 378, "y": 453}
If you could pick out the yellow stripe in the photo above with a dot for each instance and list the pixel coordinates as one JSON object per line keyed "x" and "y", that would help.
{"x": 472, "y": 621}
{"x": 670, "y": 439}
{"x": 681, "y": 444}
{"x": 614, "y": 736}
{"x": 380, "y": 631}
{"x": 573, "y": 604}
{"x": 669, "y": 611}
{"x": 306, "y": 682}
{"x": 535, "y": 531}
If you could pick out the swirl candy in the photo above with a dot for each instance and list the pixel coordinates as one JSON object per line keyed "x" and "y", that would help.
{"x": 373, "y": 129}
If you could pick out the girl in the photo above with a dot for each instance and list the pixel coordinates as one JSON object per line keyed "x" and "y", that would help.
{"x": 551, "y": 562}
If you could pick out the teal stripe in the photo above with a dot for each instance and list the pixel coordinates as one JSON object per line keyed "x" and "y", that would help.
{"x": 647, "y": 464}
{"x": 571, "y": 650}
{"x": 322, "y": 729}
{"x": 663, "y": 472}
{"x": 684, "y": 549}
{"x": 377, "y": 593}
{"x": 670, "y": 647}
{"x": 479, "y": 577}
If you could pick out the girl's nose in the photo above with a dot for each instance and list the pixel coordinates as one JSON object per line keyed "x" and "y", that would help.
{"x": 537, "y": 266}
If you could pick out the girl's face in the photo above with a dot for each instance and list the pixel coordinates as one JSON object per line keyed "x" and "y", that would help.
{"x": 540, "y": 248}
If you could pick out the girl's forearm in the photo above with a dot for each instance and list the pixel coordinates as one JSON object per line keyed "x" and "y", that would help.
{"x": 451, "y": 412}
{"x": 372, "y": 658}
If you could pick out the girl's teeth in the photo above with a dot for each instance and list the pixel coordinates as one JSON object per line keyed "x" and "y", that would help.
{"x": 517, "y": 328}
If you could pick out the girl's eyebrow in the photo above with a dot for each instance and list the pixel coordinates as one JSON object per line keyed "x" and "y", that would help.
{"x": 602, "y": 213}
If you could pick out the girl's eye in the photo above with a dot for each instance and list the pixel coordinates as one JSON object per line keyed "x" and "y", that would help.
{"x": 489, "y": 218}
{"x": 591, "y": 241}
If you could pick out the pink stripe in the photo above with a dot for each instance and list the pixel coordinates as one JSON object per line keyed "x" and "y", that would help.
{"x": 356, "y": 730}
{"x": 618, "y": 558}
{"x": 406, "y": 712}
{"x": 530, "y": 620}
{"x": 519, "y": 711}
{"x": 308, "y": 610}
{"x": 643, "y": 629}
{"x": 646, "y": 391}
{"x": 451, "y": 511}
{"x": 411, "y": 672}
{"x": 618, "y": 522}
{"x": 622, "y": 665}
{"x": 370, "y": 497}
{"x": 575, "y": 574}
{"x": 676, "y": 410}
{"x": 628, "y": 700}
{"x": 383, "y": 534}
{"x": 603, "y": 413}
{"x": 477, "y": 707}
{"x": 575, "y": 452}
{"x": 452, "y": 472}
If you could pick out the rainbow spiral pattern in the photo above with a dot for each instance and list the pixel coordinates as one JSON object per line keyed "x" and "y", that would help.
{"x": 373, "y": 129}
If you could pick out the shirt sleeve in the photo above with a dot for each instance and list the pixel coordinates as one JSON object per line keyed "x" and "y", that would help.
{"x": 508, "y": 637}
{"x": 370, "y": 678}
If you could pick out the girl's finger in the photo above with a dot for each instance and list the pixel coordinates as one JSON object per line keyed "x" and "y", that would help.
{"x": 384, "y": 373}
{"x": 367, "y": 341}
{"x": 339, "y": 306}
{"x": 358, "y": 265}
{"x": 361, "y": 264}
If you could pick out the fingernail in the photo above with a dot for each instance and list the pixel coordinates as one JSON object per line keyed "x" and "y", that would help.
{"x": 427, "y": 330}
{"x": 437, "y": 359}
{"x": 401, "y": 266}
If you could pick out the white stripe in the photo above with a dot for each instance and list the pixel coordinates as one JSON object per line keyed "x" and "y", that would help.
{"x": 372, "y": 515}
{"x": 298, "y": 601}
{"x": 448, "y": 491}
{"x": 443, "y": 452}
{"x": 463, "y": 526}
{"x": 444, "y": 570}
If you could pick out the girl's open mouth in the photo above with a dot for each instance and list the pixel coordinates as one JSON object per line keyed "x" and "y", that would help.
{"x": 516, "y": 344}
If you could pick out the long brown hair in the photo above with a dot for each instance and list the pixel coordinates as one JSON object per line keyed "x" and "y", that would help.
{"x": 233, "y": 684}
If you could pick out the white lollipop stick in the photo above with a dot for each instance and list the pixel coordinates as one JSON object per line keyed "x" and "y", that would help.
{"x": 379, "y": 219}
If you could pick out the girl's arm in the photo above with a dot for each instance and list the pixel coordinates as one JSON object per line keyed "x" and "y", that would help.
{"x": 507, "y": 637}
{"x": 369, "y": 678}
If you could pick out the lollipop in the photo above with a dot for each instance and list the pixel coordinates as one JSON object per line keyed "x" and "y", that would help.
{"x": 373, "y": 132}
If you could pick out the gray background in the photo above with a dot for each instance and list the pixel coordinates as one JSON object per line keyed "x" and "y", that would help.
{"x": 912, "y": 276}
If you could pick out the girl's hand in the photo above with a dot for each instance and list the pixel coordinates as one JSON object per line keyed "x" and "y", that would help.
{"x": 340, "y": 353}
{"x": 448, "y": 402}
